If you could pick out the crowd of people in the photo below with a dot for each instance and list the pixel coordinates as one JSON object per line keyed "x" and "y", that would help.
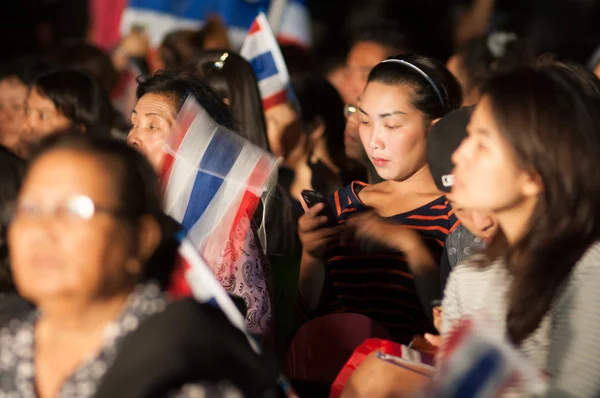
{"x": 413, "y": 192}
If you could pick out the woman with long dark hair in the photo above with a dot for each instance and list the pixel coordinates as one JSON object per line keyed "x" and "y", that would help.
{"x": 531, "y": 157}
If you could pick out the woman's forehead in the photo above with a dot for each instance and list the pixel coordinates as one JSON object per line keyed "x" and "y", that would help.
{"x": 162, "y": 105}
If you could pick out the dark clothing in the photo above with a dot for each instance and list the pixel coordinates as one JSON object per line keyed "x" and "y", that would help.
{"x": 188, "y": 342}
{"x": 377, "y": 282}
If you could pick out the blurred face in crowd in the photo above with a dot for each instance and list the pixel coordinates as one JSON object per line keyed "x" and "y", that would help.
{"x": 284, "y": 129}
{"x": 151, "y": 122}
{"x": 12, "y": 104}
{"x": 352, "y": 143}
{"x": 66, "y": 241}
{"x": 41, "y": 119}
{"x": 337, "y": 77}
{"x": 392, "y": 131}
{"x": 480, "y": 223}
{"x": 487, "y": 174}
{"x": 363, "y": 56}
{"x": 470, "y": 94}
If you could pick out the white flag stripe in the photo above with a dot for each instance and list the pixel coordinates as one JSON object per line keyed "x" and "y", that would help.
{"x": 187, "y": 159}
{"x": 219, "y": 211}
{"x": 295, "y": 23}
{"x": 270, "y": 86}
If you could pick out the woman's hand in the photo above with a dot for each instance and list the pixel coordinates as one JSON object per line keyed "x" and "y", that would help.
{"x": 368, "y": 227}
{"x": 313, "y": 232}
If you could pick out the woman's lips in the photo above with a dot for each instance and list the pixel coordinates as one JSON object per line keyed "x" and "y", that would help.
{"x": 380, "y": 162}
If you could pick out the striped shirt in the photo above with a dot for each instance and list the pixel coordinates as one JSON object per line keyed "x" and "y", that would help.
{"x": 565, "y": 345}
{"x": 377, "y": 282}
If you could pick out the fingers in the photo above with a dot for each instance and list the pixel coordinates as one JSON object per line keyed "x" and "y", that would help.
{"x": 432, "y": 339}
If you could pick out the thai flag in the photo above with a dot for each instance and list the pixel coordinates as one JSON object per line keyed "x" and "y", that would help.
{"x": 160, "y": 17}
{"x": 213, "y": 179}
{"x": 477, "y": 363}
{"x": 262, "y": 52}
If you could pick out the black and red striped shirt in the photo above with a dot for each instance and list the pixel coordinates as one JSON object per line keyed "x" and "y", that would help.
{"x": 378, "y": 283}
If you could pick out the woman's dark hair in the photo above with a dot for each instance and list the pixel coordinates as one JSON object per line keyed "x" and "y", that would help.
{"x": 318, "y": 99}
{"x": 25, "y": 68}
{"x": 12, "y": 170}
{"x": 135, "y": 182}
{"x": 180, "y": 47}
{"x": 78, "y": 97}
{"x": 178, "y": 87}
{"x": 425, "y": 96}
{"x": 478, "y": 61}
{"x": 82, "y": 56}
{"x": 233, "y": 79}
{"x": 550, "y": 115}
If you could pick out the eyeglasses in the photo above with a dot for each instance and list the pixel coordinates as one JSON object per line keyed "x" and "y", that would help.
{"x": 76, "y": 208}
{"x": 349, "y": 110}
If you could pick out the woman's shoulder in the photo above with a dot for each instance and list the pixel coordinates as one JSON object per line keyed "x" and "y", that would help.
{"x": 586, "y": 273}
{"x": 346, "y": 200}
{"x": 474, "y": 274}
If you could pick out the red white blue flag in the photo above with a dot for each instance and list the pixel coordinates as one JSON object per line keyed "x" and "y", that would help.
{"x": 261, "y": 50}
{"x": 475, "y": 362}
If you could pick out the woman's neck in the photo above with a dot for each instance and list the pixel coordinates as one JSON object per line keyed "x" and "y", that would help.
{"x": 514, "y": 221}
{"x": 420, "y": 182}
{"x": 73, "y": 317}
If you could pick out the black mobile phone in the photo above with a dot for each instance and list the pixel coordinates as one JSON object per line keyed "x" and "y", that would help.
{"x": 312, "y": 198}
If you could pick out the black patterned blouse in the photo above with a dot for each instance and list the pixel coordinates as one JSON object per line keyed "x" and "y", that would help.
{"x": 17, "y": 368}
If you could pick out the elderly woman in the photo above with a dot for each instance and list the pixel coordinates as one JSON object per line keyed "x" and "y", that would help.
{"x": 160, "y": 98}
{"x": 84, "y": 227}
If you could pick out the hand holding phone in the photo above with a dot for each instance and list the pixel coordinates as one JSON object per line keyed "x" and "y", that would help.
{"x": 311, "y": 199}
{"x": 316, "y": 228}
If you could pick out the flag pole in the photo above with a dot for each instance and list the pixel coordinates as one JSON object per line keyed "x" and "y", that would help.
{"x": 275, "y": 13}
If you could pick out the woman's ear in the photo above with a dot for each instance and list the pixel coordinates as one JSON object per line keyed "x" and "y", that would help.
{"x": 434, "y": 121}
{"x": 150, "y": 235}
{"x": 531, "y": 184}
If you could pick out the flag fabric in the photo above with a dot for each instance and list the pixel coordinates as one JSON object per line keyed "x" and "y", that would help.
{"x": 475, "y": 363}
{"x": 213, "y": 180}
{"x": 160, "y": 17}
{"x": 261, "y": 50}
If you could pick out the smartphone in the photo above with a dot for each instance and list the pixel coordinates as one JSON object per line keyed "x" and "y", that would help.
{"x": 312, "y": 198}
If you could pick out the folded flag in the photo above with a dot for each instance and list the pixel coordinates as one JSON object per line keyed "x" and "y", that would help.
{"x": 476, "y": 363}
{"x": 261, "y": 50}
{"x": 160, "y": 17}
{"x": 213, "y": 179}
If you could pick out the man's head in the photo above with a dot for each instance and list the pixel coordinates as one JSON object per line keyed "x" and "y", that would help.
{"x": 370, "y": 46}
{"x": 444, "y": 138}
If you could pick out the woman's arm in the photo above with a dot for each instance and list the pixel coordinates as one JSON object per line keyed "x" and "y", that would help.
{"x": 424, "y": 268}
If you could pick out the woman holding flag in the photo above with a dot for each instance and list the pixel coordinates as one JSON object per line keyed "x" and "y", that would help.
{"x": 209, "y": 194}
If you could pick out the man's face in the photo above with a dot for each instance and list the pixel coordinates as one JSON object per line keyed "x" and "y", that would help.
{"x": 363, "y": 56}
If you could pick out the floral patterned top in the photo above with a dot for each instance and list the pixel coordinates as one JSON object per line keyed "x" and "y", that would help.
{"x": 17, "y": 343}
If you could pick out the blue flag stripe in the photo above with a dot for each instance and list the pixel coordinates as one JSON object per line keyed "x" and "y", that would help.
{"x": 479, "y": 375}
{"x": 264, "y": 66}
{"x": 219, "y": 157}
